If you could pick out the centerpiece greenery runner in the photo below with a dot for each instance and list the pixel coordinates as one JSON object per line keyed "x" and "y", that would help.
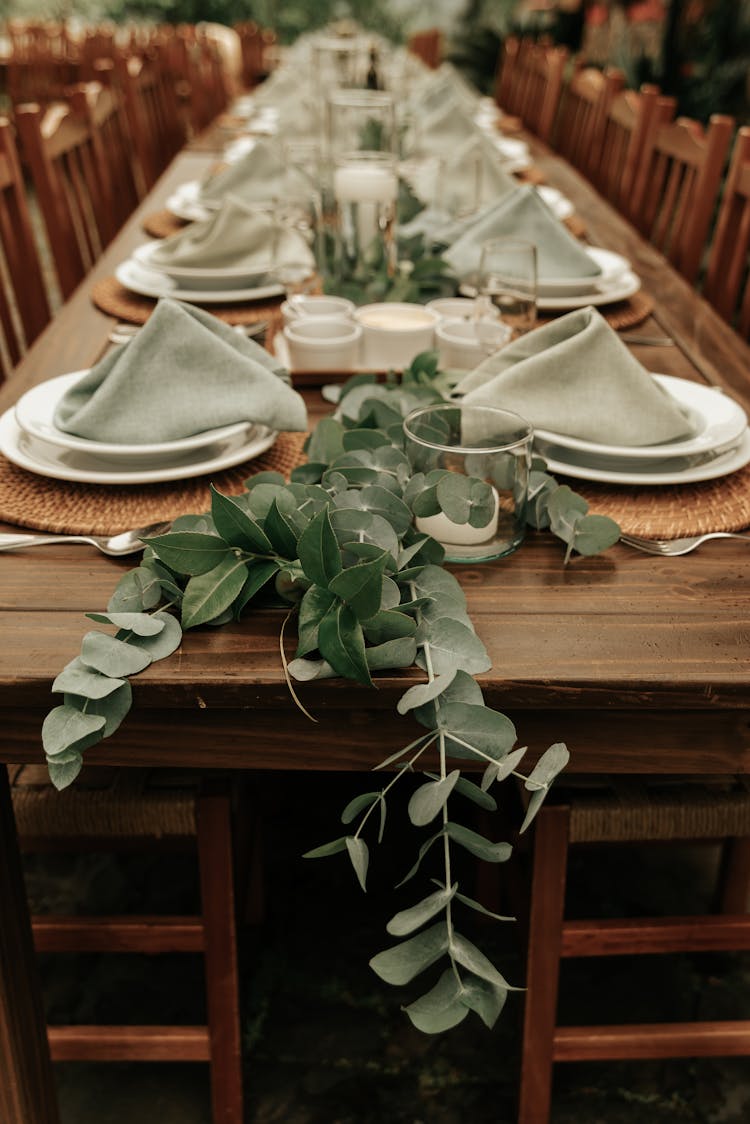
{"x": 338, "y": 546}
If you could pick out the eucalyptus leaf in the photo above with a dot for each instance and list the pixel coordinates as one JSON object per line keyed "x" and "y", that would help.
{"x": 388, "y": 625}
{"x": 349, "y": 525}
{"x": 281, "y": 532}
{"x": 430, "y": 799}
{"x": 536, "y": 800}
{"x": 391, "y": 654}
{"x": 211, "y": 593}
{"x": 454, "y": 645}
{"x": 137, "y": 590}
{"x": 160, "y": 646}
{"x": 66, "y": 727}
{"x": 111, "y": 656}
{"x": 409, "y": 920}
{"x": 595, "y": 533}
{"x": 341, "y": 643}
{"x": 565, "y": 509}
{"x": 326, "y": 849}
{"x": 305, "y": 671}
{"x": 359, "y": 855}
{"x": 360, "y": 587}
{"x": 502, "y": 769}
{"x": 363, "y": 439}
{"x": 462, "y": 688}
{"x": 425, "y": 692}
{"x": 486, "y": 998}
{"x": 357, "y": 805}
{"x": 142, "y": 624}
{"x": 479, "y": 908}
{"x": 258, "y": 574}
{"x": 476, "y": 794}
{"x": 309, "y": 473}
{"x": 478, "y": 728}
{"x": 441, "y": 1008}
{"x": 552, "y": 762}
{"x": 313, "y": 607}
{"x": 63, "y": 773}
{"x": 422, "y": 852}
{"x": 112, "y": 708}
{"x": 318, "y": 550}
{"x": 477, "y": 845}
{"x": 468, "y": 955}
{"x": 326, "y": 442}
{"x": 236, "y": 526}
{"x": 404, "y": 961}
{"x": 79, "y": 679}
{"x": 189, "y": 552}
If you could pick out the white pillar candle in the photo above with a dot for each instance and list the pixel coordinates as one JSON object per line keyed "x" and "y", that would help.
{"x": 362, "y": 183}
{"x": 459, "y": 534}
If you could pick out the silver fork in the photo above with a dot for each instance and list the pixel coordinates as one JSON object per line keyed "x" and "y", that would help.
{"x": 129, "y": 542}
{"x": 670, "y": 548}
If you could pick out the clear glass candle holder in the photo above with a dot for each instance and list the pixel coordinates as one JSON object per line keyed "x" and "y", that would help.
{"x": 482, "y": 515}
{"x": 365, "y": 192}
{"x": 508, "y": 280}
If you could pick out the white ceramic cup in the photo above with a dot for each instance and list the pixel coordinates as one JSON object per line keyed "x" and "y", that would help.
{"x": 303, "y": 305}
{"x": 458, "y": 308}
{"x": 463, "y": 344}
{"x": 394, "y": 332}
{"x": 323, "y": 343}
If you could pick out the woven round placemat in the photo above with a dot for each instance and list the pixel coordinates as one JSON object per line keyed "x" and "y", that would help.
{"x": 162, "y": 224}
{"x": 619, "y": 314}
{"x": 532, "y": 174}
{"x": 65, "y": 508}
{"x": 114, "y": 299}
{"x": 576, "y": 226}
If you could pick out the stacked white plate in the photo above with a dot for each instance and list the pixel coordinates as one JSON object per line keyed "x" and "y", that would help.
{"x": 198, "y": 286}
{"x": 30, "y": 439}
{"x": 720, "y": 445}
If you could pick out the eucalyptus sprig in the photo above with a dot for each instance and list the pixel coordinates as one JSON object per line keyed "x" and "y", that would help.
{"x": 338, "y": 544}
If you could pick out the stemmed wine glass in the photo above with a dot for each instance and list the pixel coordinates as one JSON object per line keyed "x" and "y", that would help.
{"x": 507, "y": 281}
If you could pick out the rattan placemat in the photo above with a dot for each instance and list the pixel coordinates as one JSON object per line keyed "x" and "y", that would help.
{"x": 162, "y": 224}
{"x": 532, "y": 175}
{"x": 576, "y": 226}
{"x": 619, "y": 314}
{"x": 65, "y": 508}
{"x": 114, "y": 299}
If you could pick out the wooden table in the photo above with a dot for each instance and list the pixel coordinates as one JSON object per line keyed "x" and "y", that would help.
{"x": 638, "y": 663}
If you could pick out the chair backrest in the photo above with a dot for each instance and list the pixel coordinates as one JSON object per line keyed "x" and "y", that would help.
{"x": 24, "y": 308}
{"x": 629, "y": 118}
{"x": 727, "y": 284}
{"x": 72, "y": 185}
{"x": 581, "y": 121}
{"x": 541, "y": 69}
{"x": 427, "y": 46}
{"x": 507, "y": 76}
{"x": 154, "y": 122}
{"x": 677, "y": 185}
{"x": 103, "y": 107}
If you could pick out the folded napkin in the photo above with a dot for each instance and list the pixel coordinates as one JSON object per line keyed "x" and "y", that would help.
{"x": 236, "y": 237}
{"x": 253, "y": 177}
{"x": 576, "y": 376}
{"x": 183, "y": 373}
{"x": 444, "y": 88}
{"x": 440, "y": 132}
{"x": 523, "y": 214}
{"x": 474, "y": 176}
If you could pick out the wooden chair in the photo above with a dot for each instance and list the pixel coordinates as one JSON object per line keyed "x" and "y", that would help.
{"x": 630, "y": 116}
{"x": 534, "y": 89}
{"x": 507, "y": 76}
{"x": 727, "y": 286}
{"x": 677, "y": 185}
{"x": 103, "y": 108}
{"x": 155, "y": 123}
{"x": 629, "y": 813}
{"x": 118, "y": 810}
{"x": 581, "y": 121}
{"x": 72, "y": 185}
{"x": 24, "y": 307}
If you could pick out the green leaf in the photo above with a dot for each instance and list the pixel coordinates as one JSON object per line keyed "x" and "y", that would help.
{"x": 112, "y": 708}
{"x": 383, "y": 502}
{"x": 327, "y": 849}
{"x": 111, "y": 656}
{"x": 142, "y": 624}
{"x": 326, "y": 442}
{"x": 66, "y": 727}
{"x": 318, "y": 550}
{"x": 162, "y": 645}
{"x": 304, "y": 670}
{"x": 487, "y": 999}
{"x": 211, "y": 593}
{"x": 137, "y": 590}
{"x": 349, "y": 525}
{"x": 408, "y": 920}
{"x": 393, "y": 653}
{"x": 502, "y": 769}
{"x": 189, "y": 552}
{"x": 388, "y": 625}
{"x": 236, "y": 526}
{"x": 269, "y": 477}
{"x": 536, "y": 800}
{"x": 453, "y": 645}
{"x": 258, "y": 574}
{"x": 341, "y": 643}
{"x": 552, "y": 762}
{"x": 357, "y": 805}
{"x": 360, "y": 587}
{"x": 464, "y": 688}
{"x": 475, "y": 961}
{"x": 404, "y": 961}
{"x": 65, "y": 772}
{"x": 359, "y": 855}
{"x": 312, "y": 608}
{"x": 81, "y": 680}
{"x": 595, "y": 533}
{"x": 480, "y": 908}
{"x": 167, "y": 582}
{"x": 422, "y": 852}
{"x": 280, "y": 531}
{"x": 477, "y": 845}
{"x": 424, "y": 692}
{"x": 430, "y": 798}
{"x": 479, "y": 728}
{"x": 439, "y": 585}
{"x": 474, "y": 793}
{"x": 565, "y": 509}
{"x": 309, "y": 473}
{"x": 466, "y": 499}
{"x": 363, "y": 439}
{"x": 441, "y": 1008}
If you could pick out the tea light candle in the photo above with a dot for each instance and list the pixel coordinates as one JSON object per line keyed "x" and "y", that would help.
{"x": 362, "y": 183}
{"x": 459, "y": 534}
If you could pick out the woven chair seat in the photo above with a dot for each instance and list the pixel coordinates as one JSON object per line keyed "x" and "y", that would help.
{"x": 651, "y": 809}
{"x": 104, "y": 803}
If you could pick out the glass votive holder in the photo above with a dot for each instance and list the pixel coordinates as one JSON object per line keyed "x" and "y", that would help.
{"x": 508, "y": 280}
{"x": 360, "y": 120}
{"x": 365, "y": 192}
{"x": 477, "y": 508}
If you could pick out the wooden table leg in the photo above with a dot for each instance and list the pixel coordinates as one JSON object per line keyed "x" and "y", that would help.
{"x": 27, "y": 1085}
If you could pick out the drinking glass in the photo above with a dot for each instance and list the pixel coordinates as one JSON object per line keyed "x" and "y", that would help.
{"x": 365, "y": 191}
{"x": 360, "y": 120}
{"x": 483, "y": 517}
{"x": 507, "y": 279}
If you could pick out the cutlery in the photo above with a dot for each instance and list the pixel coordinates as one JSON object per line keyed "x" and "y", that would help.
{"x": 649, "y": 341}
{"x": 128, "y": 542}
{"x": 123, "y": 333}
{"x": 670, "y": 548}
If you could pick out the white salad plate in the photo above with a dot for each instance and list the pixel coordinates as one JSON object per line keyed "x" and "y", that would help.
{"x": 35, "y": 412}
{"x": 680, "y": 470}
{"x": 611, "y": 266}
{"x": 605, "y": 292}
{"x": 185, "y": 203}
{"x": 44, "y": 459}
{"x": 559, "y": 204}
{"x": 718, "y": 420}
{"x": 149, "y": 283}
{"x": 194, "y": 277}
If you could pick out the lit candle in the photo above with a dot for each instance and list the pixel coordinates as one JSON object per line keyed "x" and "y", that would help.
{"x": 363, "y": 183}
{"x": 459, "y": 534}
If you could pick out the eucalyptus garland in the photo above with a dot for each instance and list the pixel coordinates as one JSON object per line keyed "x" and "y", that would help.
{"x": 337, "y": 545}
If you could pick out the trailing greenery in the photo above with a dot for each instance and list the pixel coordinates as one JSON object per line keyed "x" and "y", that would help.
{"x": 338, "y": 547}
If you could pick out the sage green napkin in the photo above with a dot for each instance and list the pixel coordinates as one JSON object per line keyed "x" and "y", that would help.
{"x": 183, "y": 373}
{"x": 576, "y": 376}
{"x": 523, "y": 214}
{"x": 442, "y": 89}
{"x": 441, "y": 132}
{"x": 253, "y": 178}
{"x": 473, "y": 176}
{"x": 236, "y": 237}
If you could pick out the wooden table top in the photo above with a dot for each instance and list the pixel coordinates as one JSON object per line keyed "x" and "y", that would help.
{"x": 640, "y": 663}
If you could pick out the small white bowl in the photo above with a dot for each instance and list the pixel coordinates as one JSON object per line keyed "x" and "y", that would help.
{"x": 302, "y": 305}
{"x": 463, "y": 344}
{"x": 458, "y": 308}
{"x": 323, "y": 343}
{"x": 395, "y": 332}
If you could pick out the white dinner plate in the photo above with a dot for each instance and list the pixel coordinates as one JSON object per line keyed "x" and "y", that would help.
{"x": 605, "y": 292}
{"x": 184, "y": 203}
{"x": 684, "y": 470}
{"x": 149, "y": 283}
{"x": 718, "y": 419}
{"x": 558, "y": 203}
{"x": 35, "y": 411}
{"x": 611, "y": 266}
{"x": 67, "y": 464}
{"x": 192, "y": 277}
